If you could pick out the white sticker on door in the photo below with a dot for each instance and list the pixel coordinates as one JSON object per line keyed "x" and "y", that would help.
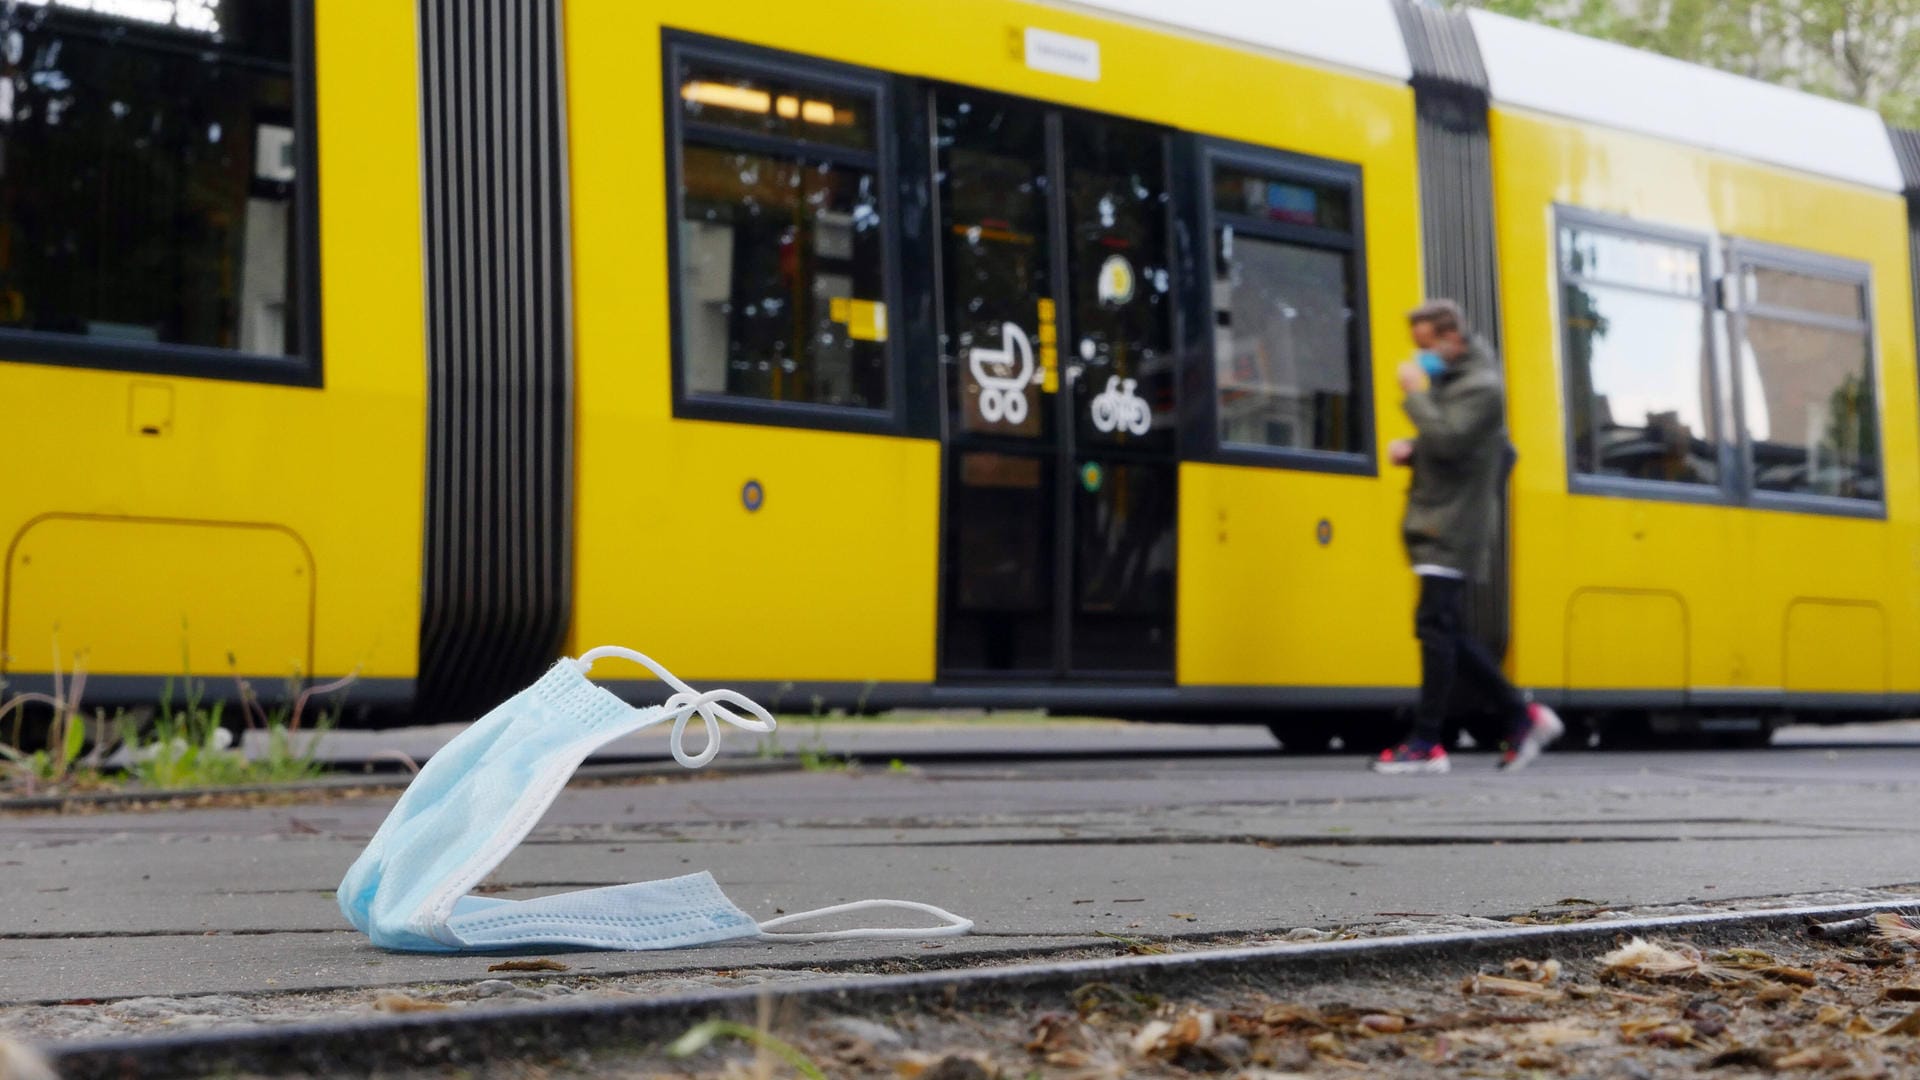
{"x": 1118, "y": 408}
{"x": 1003, "y": 398}
{"x": 1116, "y": 281}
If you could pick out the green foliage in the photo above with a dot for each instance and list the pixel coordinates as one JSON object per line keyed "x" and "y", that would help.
{"x": 59, "y": 763}
{"x": 703, "y": 1035}
{"x": 1863, "y": 51}
{"x": 184, "y": 745}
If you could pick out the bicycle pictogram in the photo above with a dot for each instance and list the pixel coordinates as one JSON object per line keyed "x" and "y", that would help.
{"x": 1119, "y": 407}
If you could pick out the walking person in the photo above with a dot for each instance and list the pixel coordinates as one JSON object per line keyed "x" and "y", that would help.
{"x": 1460, "y": 461}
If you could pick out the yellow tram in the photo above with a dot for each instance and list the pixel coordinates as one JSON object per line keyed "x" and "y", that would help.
{"x": 871, "y": 353}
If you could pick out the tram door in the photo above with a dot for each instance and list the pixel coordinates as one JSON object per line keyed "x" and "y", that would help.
{"x": 1057, "y": 331}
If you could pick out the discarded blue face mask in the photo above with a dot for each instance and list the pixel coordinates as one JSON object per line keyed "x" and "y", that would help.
{"x": 477, "y": 798}
{"x": 1431, "y": 363}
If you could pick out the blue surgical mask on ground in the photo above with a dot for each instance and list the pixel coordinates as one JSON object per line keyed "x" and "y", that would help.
{"x": 477, "y": 798}
{"x": 1431, "y": 363}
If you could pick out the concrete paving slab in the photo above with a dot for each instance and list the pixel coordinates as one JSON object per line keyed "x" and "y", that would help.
{"x": 1043, "y": 853}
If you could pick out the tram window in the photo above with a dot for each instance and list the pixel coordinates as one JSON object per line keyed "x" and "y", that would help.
{"x": 1807, "y": 385}
{"x": 781, "y": 251}
{"x": 148, "y": 173}
{"x": 1289, "y": 201}
{"x": 1120, "y": 282}
{"x": 1288, "y": 358}
{"x": 998, "y": 254}
{"x": 1639, "y": 378}
{"x": 781, "y": 108}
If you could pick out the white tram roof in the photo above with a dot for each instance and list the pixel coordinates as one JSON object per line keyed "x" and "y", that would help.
{"x": 1564, "y": 74}
{"x": 1363, "y": 35}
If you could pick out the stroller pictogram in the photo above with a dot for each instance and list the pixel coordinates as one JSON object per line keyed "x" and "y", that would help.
{"x": 1004, "y": 397}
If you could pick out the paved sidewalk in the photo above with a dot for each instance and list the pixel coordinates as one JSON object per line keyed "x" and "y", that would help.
{"x": 1057, "y": 852}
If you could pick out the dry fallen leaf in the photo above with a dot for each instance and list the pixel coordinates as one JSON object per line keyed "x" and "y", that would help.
{"x": 1505, "y": 987}
{"x": 1148, "y": 1038}
{"x": 1326, "y": 1043}
{"x": 1906, "y": 1025}
{"x": 1540, "y": 971}
{"x": 1891, "y": 926}
{"x": 1383, "y": 1023}
{"x": 1900, "y": 993}
{"x": 1812, "y": 1057}
{"x": 1555, "y": 1033}
{"x": 542, "y": 964}
{"x": 1284, "y": 1015}
{"x": 1657, "y": 1033}
{"x": 1053, "y": 1032}
{"x": 1195, "y": 1026}
{"x": 1830, "y": 1015}
{"x": 1650, "y": 961}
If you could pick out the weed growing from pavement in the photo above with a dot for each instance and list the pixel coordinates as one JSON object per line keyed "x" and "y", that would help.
{"x": 59, "y": 763}
{"x": 813, "y": 756}
{"x": 169, "y": 748}
{"x": 703, "y": 1035}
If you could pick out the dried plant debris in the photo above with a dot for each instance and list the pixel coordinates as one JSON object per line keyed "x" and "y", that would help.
{"x": 1775, "y": 1004}
{"x": 1814, "y": 1006}
{"x": 542, "y": 964}
{"x": 1894, "y": 927}
{"x": 1644, "y": 959}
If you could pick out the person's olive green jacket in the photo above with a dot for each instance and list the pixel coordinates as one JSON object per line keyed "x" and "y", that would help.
{"x": 1461, "y": 459}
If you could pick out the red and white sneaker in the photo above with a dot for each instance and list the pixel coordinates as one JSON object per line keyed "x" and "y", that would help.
{"x": 1410, "y": 758}
{"x": 1543, "y": 727}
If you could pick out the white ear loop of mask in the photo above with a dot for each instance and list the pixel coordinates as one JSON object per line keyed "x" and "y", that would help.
{"x": 682, "y": 706}
{"x": 686, "y": 702}
{"x": 956, "y": 925}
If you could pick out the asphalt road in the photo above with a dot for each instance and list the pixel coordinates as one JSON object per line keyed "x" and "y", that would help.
{"x": 1102, "y": 830}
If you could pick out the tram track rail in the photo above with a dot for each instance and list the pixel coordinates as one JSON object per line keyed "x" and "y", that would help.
{"x": 491, "y": 1034}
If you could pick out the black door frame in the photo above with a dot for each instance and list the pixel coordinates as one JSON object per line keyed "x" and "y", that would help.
{"x": 1063, "y": 451}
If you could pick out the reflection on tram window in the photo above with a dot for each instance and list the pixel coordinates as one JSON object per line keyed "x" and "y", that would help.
{"x": 1630, "y": 260}
{"x": 1639, "y": 384}
{"x": 1770, "y": 286}
{"x": 1283, "y": 345}
{"x": 993, "y": 198}
{"x": 776, "y": 107}
{"x": 1285, "y": 201}
{"x": 1122, "y": 317}
{"x": 1809, "y": 408}
{"x": 147, "y": 175}
{"x": 781, "y": 279}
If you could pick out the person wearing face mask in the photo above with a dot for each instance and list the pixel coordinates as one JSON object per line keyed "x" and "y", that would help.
{"x": 1460, "y": 457}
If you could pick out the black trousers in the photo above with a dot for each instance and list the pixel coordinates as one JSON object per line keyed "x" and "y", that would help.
{"x": 1449, "y": 656}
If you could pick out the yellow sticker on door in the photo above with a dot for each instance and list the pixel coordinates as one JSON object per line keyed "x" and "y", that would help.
{"x": 865, "y": 320}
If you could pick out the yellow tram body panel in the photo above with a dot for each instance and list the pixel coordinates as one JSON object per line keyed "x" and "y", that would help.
{"x": 837, "y": 577}
{"x": 157, "y": 522}
{"x": 1626, "y": 593}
